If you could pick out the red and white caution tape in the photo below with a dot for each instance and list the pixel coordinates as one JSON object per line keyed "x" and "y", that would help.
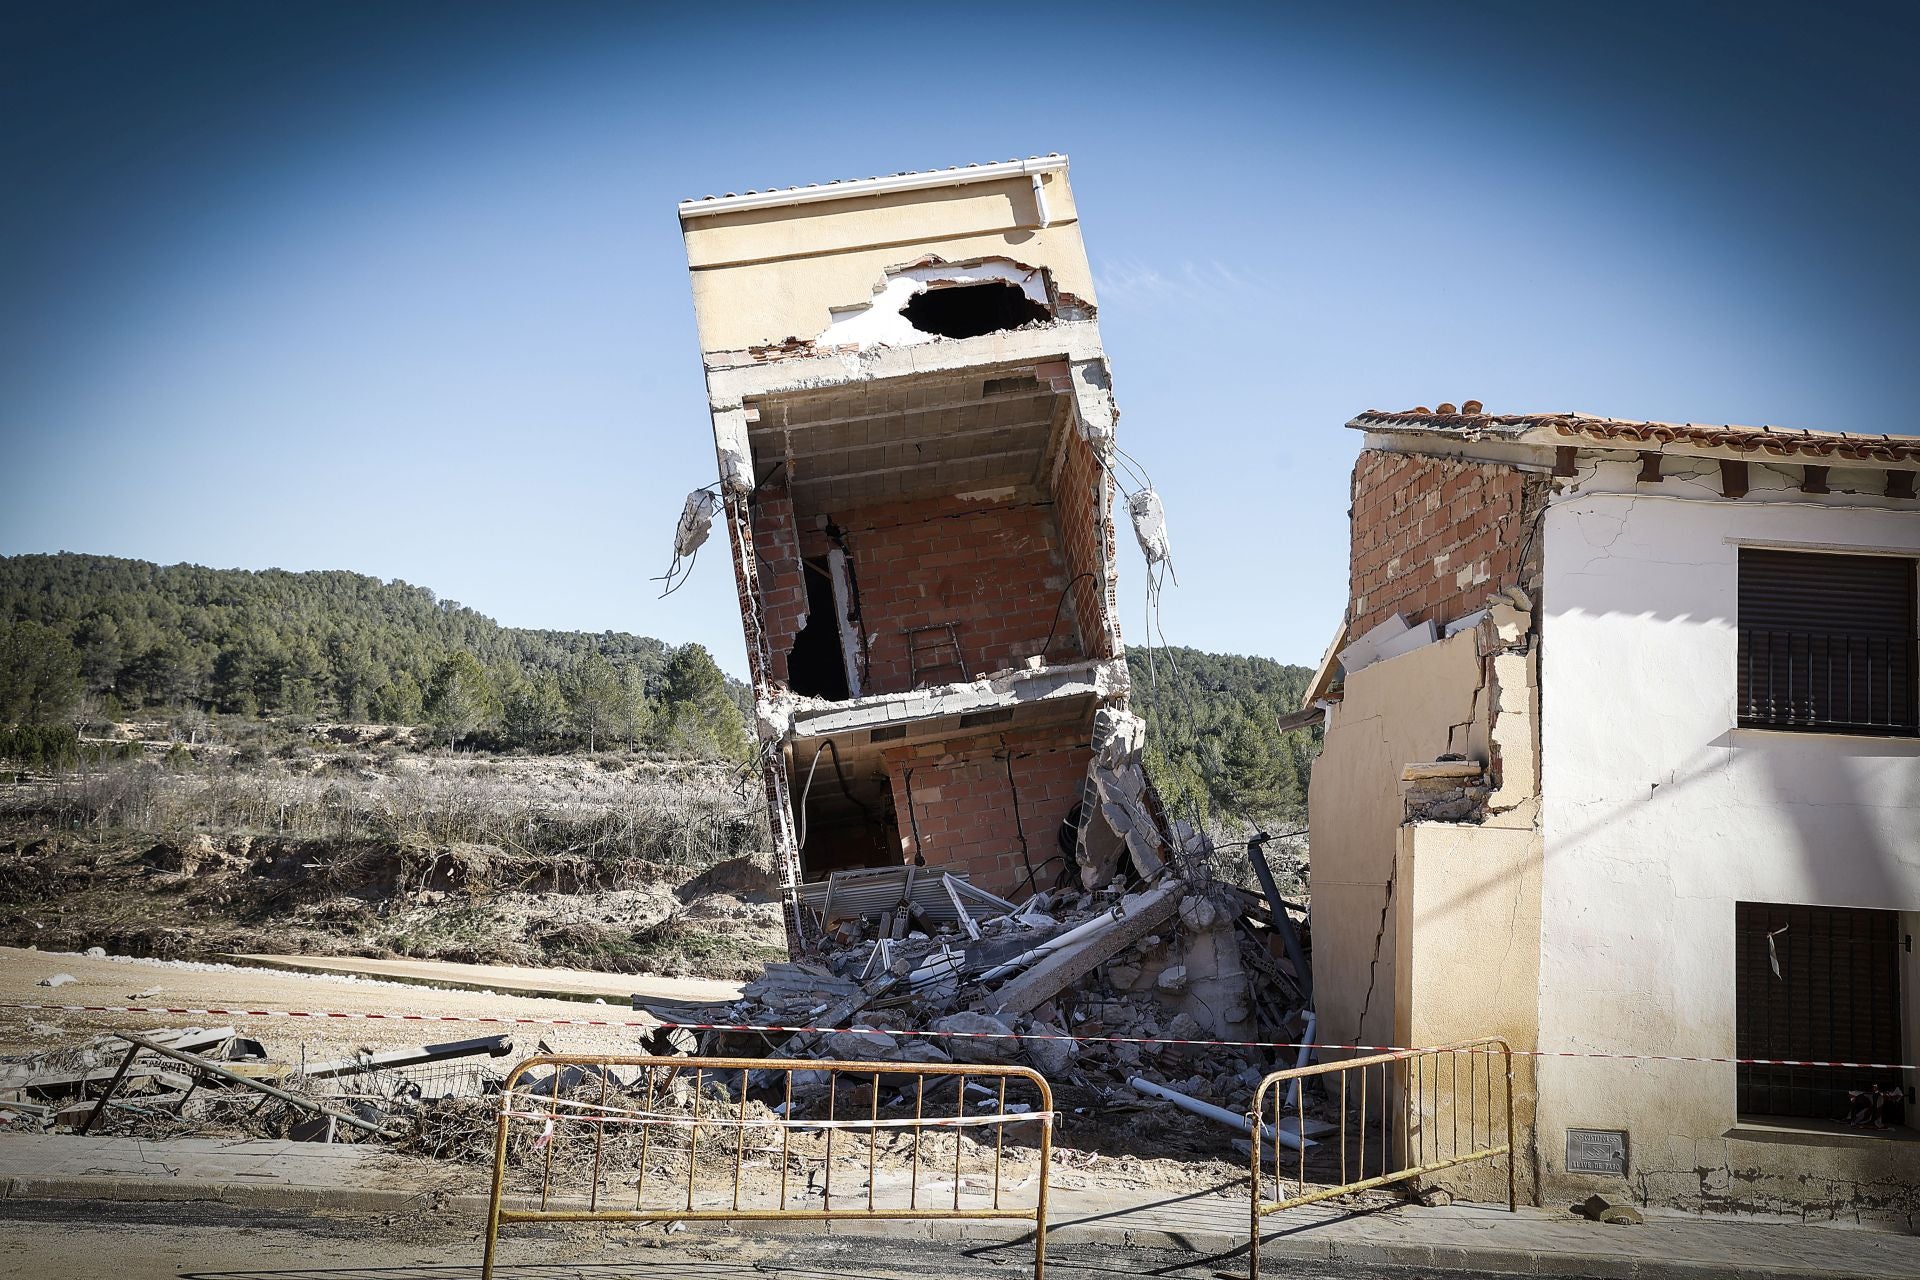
{"x": 616, "y": 1116}
{"x": 313, "y": 1015}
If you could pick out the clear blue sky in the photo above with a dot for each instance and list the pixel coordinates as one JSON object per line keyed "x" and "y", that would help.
{"x": 398, "y": 287}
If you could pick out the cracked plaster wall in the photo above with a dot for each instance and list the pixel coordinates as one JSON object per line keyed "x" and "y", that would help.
{"x": 1416, "y": 706}
{"x": 1659, "y": 814}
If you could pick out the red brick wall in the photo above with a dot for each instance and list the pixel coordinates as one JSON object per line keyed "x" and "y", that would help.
{"x": 965, "y": 809}
{"x": 783, "y": 592}
{"x": 1086, "y": 521}
{"x": 994, "y": 570}
{"x": 1432, "y": 537}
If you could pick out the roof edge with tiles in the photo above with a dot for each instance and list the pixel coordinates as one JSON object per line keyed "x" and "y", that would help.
{"x": 1783, "y": 441}
{"x": 850, "y": 189}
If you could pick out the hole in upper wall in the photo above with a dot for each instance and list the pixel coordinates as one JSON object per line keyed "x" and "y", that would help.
{"x": 970, "y": 310}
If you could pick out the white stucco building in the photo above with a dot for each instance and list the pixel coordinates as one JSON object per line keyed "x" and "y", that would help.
{"x": 1671, "y": 672}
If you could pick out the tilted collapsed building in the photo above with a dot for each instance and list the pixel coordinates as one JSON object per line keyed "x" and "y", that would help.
{"x": 915, "y": 431}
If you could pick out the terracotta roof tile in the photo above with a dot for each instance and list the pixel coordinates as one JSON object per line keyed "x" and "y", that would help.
{"x": 1862, "y": 446}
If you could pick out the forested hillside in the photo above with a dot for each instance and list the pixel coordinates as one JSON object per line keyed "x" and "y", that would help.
{"x": 105, "y": 637}
{"x": 1212, "y": 740}
{"x": 344, "y": 646}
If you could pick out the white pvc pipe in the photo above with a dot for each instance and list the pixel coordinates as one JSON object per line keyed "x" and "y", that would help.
{"x": 1211, "y": 1112}
{"x": 1072, "y": 937}
{"x": 1306, "y": 1041}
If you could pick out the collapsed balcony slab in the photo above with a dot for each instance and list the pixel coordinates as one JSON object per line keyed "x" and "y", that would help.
{"x": 943, "y": 711}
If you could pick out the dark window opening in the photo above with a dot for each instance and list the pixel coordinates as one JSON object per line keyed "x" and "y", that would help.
{"x": 969, "y": 310}
{"x": 1827, "y": 642}
{"x": 817, "y": 664}
{"x": 1818, "y": 984}
{"x": 844, "y": 811}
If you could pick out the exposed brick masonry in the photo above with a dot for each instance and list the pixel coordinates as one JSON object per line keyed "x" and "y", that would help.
{"x": 994, "y": 570}
{"x": 965, "y": 809}
{"x": 1432, "y": 537}
{"x": 1087, "y": 517}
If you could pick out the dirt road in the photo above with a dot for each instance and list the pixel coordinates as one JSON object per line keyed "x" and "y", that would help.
{"x": 121, "y": 981}
{"x": 509, "y": 979}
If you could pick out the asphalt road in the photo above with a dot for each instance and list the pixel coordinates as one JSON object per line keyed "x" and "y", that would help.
{"x": 50, "y": 1240}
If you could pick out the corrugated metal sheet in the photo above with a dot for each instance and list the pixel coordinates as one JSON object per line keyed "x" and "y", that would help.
{"x": 872, "y": 891}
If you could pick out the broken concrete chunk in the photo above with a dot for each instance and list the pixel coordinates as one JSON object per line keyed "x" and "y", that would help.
{"x": 1509, "y": 624}
{"x": 996, "y": 1045}
{"x": 1601, "y": 1209}
{"x": 57, "y": 980}
{"x": 1142, "y": 912}
{"x": 1118, "y": 737}
{"x": 860, "y": 1046}
{"x": 1173, "y": 978}
{"x": 1197, "y": 912}
{"x": 1050, "y": 1057}
{"x": 734, "y": 450}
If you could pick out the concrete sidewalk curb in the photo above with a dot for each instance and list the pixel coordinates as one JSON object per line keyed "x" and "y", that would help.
{"x": 1209, "y": 1244}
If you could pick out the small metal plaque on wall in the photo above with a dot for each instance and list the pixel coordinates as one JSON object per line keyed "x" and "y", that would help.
{"x": 1597, "y": 1151}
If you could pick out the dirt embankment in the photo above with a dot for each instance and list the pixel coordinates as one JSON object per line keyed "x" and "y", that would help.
{"x": 616, "y": 866}
{"x": 197, "y": 898}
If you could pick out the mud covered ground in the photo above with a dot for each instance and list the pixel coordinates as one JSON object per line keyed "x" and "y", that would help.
{"x": 614, "y": 865}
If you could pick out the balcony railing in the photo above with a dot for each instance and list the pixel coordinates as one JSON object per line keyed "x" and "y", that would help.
{"x": 1836, "y": 682}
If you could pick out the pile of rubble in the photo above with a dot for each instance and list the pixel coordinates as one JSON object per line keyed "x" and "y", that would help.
{"x": 199, "y": 1081}
{"x": 1114, "y": 994}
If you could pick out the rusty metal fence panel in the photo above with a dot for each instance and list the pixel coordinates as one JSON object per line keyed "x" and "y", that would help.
{"x": 639, "y": 1138}
{"x": 1402, "y": 1114}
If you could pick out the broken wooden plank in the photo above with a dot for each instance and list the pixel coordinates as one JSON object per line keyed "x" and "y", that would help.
{"x": 68, "y": 1081}
{"x": 803, "y": 1044}
{"x": 100, "y": 1108}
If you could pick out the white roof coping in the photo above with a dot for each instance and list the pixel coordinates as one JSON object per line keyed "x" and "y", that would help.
{"x": 848, "y": 190}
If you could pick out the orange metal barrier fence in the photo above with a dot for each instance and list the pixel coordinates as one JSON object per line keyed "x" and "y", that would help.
{"x": 589, "y": 1142}
{"x": 1426, "y": 1120}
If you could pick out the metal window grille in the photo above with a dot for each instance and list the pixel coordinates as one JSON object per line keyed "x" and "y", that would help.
{"x": 1827, "y": 642}
{"x": 1836, "y": 998}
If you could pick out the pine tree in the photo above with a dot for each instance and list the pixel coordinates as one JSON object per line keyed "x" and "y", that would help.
{"x": 594, "y": 696}
{"x": 461, "y": 699}
{"x": 399, "y": 701}
{"x": 39, "y": 674}
{"x": 536, "y": 710}
{"x": 697, "y": 713}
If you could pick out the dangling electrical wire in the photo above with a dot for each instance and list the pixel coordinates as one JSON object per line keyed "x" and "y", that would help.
{"x": 696, "y": 522}
{"x": 1150, "y": 530}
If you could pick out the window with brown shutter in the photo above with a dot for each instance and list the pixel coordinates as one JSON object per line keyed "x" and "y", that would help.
{"x": 1827, "y": 642}
{"x": 1816, "y": 984}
